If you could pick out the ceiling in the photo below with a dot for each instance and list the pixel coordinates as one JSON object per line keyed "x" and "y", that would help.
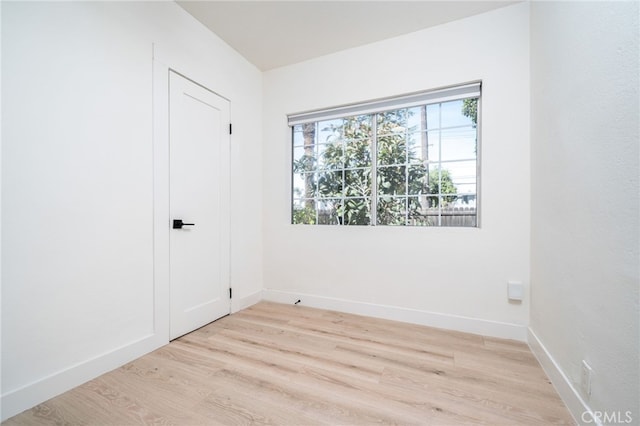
{"x": 272, "y": 34}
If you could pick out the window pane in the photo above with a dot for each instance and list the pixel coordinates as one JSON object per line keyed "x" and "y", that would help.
{"x": 304, "y": 212}
{"x": 358, "y": 153}
{"x": 421, "y": 149}
{"x": 433, "y": 116}
{"x": 347, "y": 128}
{"x": 305, "y": 135}
{"x": 416, "y": 119}
{"x": 357, "y": 211}
{"x": 329, "y": 131}
{"x": 438, "y": 180}
{"x": 433, "y": 145}
{"x": 392, "y": 180}
{"x": 417, "y": 180}
{"x": 304, "y": 185}
{"x": 431, "y": 206}
{"x": 328, "y": 212}
{"x": 465, "y": 188}
{"x": 453, "y": 114}
{"x": 417, "y": 212}
{"x": 298, "y": 138}
{"x": 392, "y": 210}
{"x": 458, "y": 216}
{"x": 447, "y": 201}
{"x": 392, "y": 150}
{"x": 467, "y": 199}
{"x": 303, "y": 159}
{"x": 330, "y": 184}
{"x": 458, "y": 144}
{"x": 357, "y": 128}
{"x": 461, "y": 173}
{"x": 298, "y": 152}
{"x": 392, "y": 122}
{"x": 331, "y": 156}
{"x": 357, "y": 182}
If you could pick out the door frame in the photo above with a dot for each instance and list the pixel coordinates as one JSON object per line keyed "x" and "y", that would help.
{"x": 163, "y": 62}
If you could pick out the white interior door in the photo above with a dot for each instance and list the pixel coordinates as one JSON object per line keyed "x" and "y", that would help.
{"x": 199, "y": 197}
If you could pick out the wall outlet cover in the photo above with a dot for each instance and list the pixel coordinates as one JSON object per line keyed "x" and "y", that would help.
{"x": 515, "y": 290}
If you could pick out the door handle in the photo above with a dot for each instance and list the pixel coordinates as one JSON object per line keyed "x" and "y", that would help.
{"x": 178, "y": 224}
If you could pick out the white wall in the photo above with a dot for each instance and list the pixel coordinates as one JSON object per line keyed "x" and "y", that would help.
{"x": 585, "y": 206}
{"x": 77, "y": 194}
{"x": 429, "y": 275}
{"x": 77, "y": 184}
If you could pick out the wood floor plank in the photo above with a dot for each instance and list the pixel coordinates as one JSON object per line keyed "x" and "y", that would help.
{"x": 274, "y": 364}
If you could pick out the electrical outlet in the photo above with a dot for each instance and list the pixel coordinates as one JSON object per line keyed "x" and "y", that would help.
{"x": 585, "y": 378}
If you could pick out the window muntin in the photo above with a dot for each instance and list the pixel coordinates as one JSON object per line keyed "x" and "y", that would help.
{"x": 413, "y": 166}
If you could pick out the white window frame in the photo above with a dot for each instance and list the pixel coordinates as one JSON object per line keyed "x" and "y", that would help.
{"x": 445, "y": 94}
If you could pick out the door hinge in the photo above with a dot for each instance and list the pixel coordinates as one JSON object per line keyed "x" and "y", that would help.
{"x": 230, "y": 293}
{"x": 230, "y": 129}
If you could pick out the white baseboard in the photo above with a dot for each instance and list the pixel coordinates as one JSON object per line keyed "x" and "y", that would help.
{"x": 238, "y": 304}
{"x": 431, "y": 319}
{"x": 16, "y": 401}
{"x": 580, "y": 411}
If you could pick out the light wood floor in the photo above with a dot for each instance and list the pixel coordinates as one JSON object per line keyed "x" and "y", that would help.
{"x": 293, "y": 365}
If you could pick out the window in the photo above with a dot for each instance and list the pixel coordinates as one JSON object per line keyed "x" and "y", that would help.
{"x": 410, "y": 160}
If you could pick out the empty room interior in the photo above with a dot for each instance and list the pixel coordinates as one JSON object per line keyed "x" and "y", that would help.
{"x": 320, "y": 212}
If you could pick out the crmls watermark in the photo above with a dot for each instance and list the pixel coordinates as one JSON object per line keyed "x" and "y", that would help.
{"x": 607, "y": 417}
